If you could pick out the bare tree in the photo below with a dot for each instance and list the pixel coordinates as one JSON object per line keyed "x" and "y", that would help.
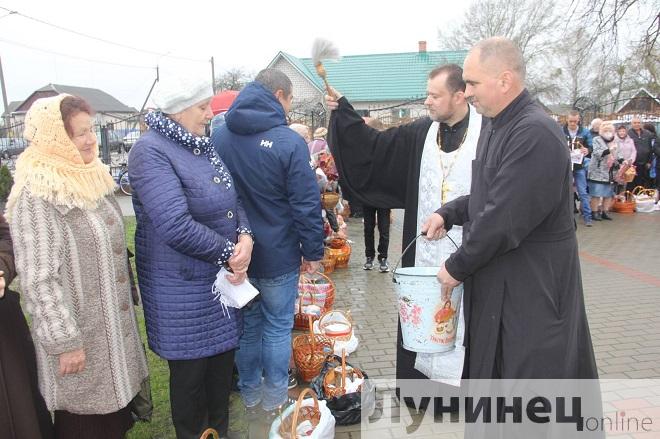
{"x": 233, "y": 79}
{"x": 532, "y": 27}
{"x": 576, "y": 68}
{"x": 607, "y": 16}
{"x": 523, "y": 21}
{"x": 645, "y": 68}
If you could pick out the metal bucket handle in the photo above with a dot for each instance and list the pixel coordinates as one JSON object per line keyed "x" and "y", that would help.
{"x": 410, "y": 245}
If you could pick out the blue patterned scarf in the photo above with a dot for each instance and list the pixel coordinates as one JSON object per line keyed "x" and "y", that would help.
{"x": 156, "y": 120}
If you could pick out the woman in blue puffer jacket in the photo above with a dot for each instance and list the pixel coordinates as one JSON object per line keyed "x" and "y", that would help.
{"x": 190, "y": 223}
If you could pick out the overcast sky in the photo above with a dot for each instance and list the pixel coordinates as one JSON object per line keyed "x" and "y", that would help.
{"x": 238, "y": 34}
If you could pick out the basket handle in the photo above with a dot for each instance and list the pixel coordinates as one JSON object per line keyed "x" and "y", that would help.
{"x": 346, "y": 314}
{"x": 301, "y": 300}
{"x": 294, "y": 420}
{"x": 343, "y": 370}
{"x": 312, "y": 280}
{"x": 210, "y": 433}
{"x": 311, "y": 332}
{"x": 638, "y": 190}
{"x": 628, "y": 196}
{"x": 410, "y": 245}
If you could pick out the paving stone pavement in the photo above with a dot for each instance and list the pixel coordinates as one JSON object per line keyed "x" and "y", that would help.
{"x": 621, "y": 279}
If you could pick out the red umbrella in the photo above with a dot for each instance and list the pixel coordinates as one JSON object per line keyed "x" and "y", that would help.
{"x": 222, "y": 101}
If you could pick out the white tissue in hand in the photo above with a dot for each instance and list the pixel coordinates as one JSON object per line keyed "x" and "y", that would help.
{"x": 236, "y": 296}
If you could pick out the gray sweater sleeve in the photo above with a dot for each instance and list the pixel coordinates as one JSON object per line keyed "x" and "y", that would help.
{"x": 38, "y": 238}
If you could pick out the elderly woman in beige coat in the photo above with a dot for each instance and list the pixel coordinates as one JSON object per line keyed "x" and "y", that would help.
{"x": 71, "y": 260}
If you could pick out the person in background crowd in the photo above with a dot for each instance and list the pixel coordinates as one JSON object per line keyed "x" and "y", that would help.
{"x": 626, "y": 148}
{"x": 325, "y": 184}
{"x": 643, "y": 145}
{"x": 301, "y": 129}
{"x": 600, "y": 178}
{"x": 594, "y": 128}
{"x": 656, "y": 152}
{"x": 23, "y": 412}
{"x": 271, "y": 167}
{"x": 579, "y": 142}
{"x": 72, "y": 262}
{"x": 217, "y": 121}
{"x": 376, "y": 216}
{"x": 190, "y": 223}
{"x": 319, "y": 144}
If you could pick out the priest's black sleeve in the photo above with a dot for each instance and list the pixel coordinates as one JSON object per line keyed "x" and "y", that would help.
{"x": 524, "y": 191}
{"x": 375, "y": 167}
{"x": 455, "y": 212}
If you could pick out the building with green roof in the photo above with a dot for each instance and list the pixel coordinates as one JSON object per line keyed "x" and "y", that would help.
{"x": 390, "y": 86}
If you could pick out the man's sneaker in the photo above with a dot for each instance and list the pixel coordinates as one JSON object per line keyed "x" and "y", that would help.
{"x": 293, "y": 382}
{"x": 383, "y": 267}
{"x": 588, "y": 223}
{"x": 605, "y": 216}
{"x": 369, "y": 265}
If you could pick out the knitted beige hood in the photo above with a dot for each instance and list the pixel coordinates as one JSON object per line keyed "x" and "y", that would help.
{"x": 51, "y": 166}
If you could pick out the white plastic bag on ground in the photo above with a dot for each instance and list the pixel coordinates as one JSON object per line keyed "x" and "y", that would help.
{"x": 324, "y": 430}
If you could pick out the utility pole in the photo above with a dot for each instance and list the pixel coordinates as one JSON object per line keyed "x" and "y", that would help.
{"x": 4, "y": 97}
{"x": 213, "y": 75}
{"x": 150, "y": 90}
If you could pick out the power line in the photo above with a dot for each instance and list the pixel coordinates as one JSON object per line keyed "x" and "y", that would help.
{"x": 12, "y": 12}
{"x": 98, "y": 61}
{"x": 411, "y": 101}
{"x": 7, "y": 15}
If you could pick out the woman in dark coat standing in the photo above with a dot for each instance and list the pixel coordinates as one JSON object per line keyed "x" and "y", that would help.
{"x": 190, "y": 222}
{"x": 23, "y": 412}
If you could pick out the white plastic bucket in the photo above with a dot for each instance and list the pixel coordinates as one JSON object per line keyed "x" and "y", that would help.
{"x": 428, "y": 323}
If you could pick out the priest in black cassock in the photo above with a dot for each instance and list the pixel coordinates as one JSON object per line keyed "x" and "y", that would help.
{"x": 519, "y": 261}
{"x": 418, "y": 167}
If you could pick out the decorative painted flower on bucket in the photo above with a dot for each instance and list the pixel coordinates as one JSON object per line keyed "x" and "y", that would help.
{"x": 416, "y": 315}
{"x": 403, "y": 309}
{"x": 409, "y": 311}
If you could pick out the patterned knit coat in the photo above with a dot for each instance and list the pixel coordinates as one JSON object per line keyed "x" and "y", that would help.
{"x": 73, "y": 271}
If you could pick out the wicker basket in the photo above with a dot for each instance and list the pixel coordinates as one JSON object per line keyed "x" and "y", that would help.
{"x": 329, "y": 200}
{"x": 342, "y": 254}
{"x": 625, "y": 203}
{"x": 334, "y": 382}
{"x": 300, "y": 318}
{"x": 346, "y": 212}
{"x": 336, "y": 243}
{"x": 300, "y": 414}
{"x": 644, "y": 199}
{"x": 328, "y": 263}
{"x": 336, "y": 324}
{"x": 310, "y": 351}
{"x": 318, "y": 279}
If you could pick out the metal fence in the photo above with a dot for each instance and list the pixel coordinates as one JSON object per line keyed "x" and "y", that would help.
{"x": 115, "y": 139}
{"x": 314, "y": 116}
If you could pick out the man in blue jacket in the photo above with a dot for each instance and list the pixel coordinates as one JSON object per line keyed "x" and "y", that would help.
{"x": 271, "y": 169}
{"x": 579, "y": 142}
